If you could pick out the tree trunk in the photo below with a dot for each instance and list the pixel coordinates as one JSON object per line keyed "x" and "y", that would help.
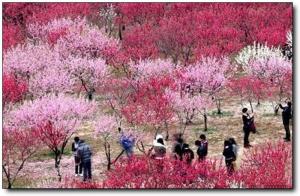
{"x": 57, "y": 165}
{"x": 276, "y": 109}
{"x": 218, "y": 102}
{"x": 258, "y": 102}
{"x": 251, "y": 105}
{"x": 9, "y": 185}
{"x": 205, "y": 122}
{"x": 107, "y": 153}
{"x": 167, "y": 131}
{"x": 120, "y": 32}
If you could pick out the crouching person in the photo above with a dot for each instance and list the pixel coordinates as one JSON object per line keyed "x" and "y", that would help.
{"x": 159, "y": 153}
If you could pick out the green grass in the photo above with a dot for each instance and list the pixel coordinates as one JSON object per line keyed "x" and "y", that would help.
{"x": 223, "y": 114}
{"x": 47, "y": 154}
{"x": 270, "y": 115}
{"x": 199, "y": 130}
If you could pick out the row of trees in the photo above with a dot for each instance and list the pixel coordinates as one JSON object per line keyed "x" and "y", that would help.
{"x": 137, "y": 79}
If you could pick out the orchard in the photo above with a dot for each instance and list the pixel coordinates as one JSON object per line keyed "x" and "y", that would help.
{"x": 118, "y": 75}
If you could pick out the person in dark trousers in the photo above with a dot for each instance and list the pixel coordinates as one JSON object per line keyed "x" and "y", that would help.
{"x": 187, "y": 154}
{"x": 178, "y": 148}
{"x": 85, "y": 154}
{"x": 202, "y": 145}
{"x": 286, "y": 116}
{"x": 78, "y": 164}
{"x": 247, "y": 121}
{"x": 234, "y": 149}
{"x": 229, "y": 157}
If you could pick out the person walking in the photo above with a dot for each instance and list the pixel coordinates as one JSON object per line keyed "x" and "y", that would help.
{"x": 234, "y": 149}
{"x": 178, "y": 147}
{"x": 85, "y": 155}
{"x": 248, "y": 123}
{"x": 229, "y": 157}
{"x": 286, "y": 116}
{"x": 202, "y": 145}
{"x": 78, "y": 163}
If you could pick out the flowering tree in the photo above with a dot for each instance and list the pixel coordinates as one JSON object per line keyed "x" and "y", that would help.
{"x": 40, "y": 66}
{"x": 256, "y": 51}
{"x": 185, "y": 107}
{"x": 267, "y": 166}
{"x": 149, "y": 105}
{"x": 13, "y": 90}
{"x": 250, "y": 89}
{"x": 18, "y": 147}
{"x": 107, "y": 129}
{"x": 88, "y": 73}
{"x": 287, "y": 50}
{"x": 205, "y": 79}
{"x": 54, "y": 120}
{"x": 11, "y": 36}
{"x": 277, "y": 72}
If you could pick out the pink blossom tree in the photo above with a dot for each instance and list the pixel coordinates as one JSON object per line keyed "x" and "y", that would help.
{"x": 41, "y": 67}
{"x": 90, "y": 74}
{"x": 106, "y": 128}
{"x": 54, "y": 120}
{"x": 89, "y": 41}
{"x": 275, "y": 71}
{"x": 18, "y": 146}
{"x": 186, "y": 107}
{"x": 205, "y": 78}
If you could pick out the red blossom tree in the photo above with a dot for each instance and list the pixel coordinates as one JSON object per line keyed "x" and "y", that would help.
{"x": 13, "y": 90}
{"x": 250, "y": 89}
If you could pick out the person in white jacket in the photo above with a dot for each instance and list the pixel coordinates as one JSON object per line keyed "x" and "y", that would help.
{"x": 159, "y": 147}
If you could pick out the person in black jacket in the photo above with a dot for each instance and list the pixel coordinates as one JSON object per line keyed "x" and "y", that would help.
{"x": 286, "y": 116}
{"x": 229, "y": 155}
{"x": 177, "y": 148}
{"x": 247, "y": 121}
{"x": 78, "y": 163}
{"x": 202, "y": 147}
{"x": 187, "y": 154}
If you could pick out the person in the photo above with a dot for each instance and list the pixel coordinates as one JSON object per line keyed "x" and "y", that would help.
{"x": 127, "y": 143}
{"x": 286, "y": 116}
{"x": 234, "y": 149}
{"x": 160, "y": 150}
{"x": 188, "y": 154}
{"x": 202, "y": 147}
{"x": 85, "y": 155}
{"x": 178, "y": 147}
{"x": 229, "y": 156}
{"x": 78, "y": 164}
{"x": 159, "y": 147}
{"x": 247, "y": 121}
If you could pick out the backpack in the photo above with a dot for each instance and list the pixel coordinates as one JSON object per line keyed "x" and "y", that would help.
{"x": 229, "y": 154}
{"x": 202, "y": 149}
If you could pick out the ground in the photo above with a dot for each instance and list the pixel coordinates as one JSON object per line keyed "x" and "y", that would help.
{"x": 39, "y": 171}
